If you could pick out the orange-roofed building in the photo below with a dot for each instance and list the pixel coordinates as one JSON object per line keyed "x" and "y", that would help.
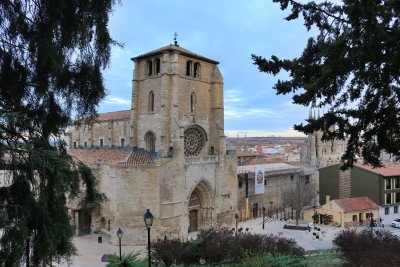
{"x": 346, "y": 212}
{"x": 382, "y": 185}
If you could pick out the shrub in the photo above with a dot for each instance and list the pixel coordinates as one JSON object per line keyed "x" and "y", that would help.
{"x": 280, "y": 245}
{"x": 128, "y": 260}
{"x": 368, "y": 249}
{"x": 326, "y": 219}
{"x": 221, "y": 246}
{"x": 174, "y": 251}
{"x": 315, "y": 217}
{"x": 218, "y": 246}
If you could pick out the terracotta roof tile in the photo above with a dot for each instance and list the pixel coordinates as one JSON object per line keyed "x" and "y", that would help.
{"x": 110, "y": 156}
{"x": 388, "y": 169}
{"x": 178, "y": 49}
{"x": 139, "y": 158}
{"x": 113, "y": 156}
{"x": 114, "y": 116}
{"x": 356, "y": 204}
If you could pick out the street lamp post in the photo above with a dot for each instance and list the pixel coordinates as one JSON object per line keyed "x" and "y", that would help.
{"x": 236, "y": 218}
{"x": 148, "y": 220}
{"x": 270, "y": 208}
{"x": 120, "y": 234}
{"x": 263, "y": 218}
{"x": 315, "y": 212}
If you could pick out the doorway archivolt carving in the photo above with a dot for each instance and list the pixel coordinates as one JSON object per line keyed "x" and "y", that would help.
{"x": 200, "y": 206}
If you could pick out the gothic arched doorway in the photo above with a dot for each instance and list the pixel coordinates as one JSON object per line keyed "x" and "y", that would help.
{"x": 200, "y": 206}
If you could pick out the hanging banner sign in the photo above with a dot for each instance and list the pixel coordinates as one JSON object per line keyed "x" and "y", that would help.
{"x": 259, "y": 181}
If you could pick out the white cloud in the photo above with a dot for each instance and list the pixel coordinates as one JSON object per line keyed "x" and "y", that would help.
{"x": 117, "y": 100}
{"x": 237, "y": 113}
{"x": 232, "y": 96}
{"x": 261, "y": 133}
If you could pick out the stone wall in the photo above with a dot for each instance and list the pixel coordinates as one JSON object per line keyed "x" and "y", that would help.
{"x": 111, "y": 132}
{"x": 165, "y": 190}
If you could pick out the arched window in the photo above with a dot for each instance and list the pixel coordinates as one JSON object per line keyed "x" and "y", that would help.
{"x": 149, "y": 66}
{"x": 151, "y": 101}
{"x": 189, "y": 67}
{"x": 157, "y": 63}
{"x": 196, "y": 72}
{"x": 150, "y": 140}
{"x": 193, "y": 102}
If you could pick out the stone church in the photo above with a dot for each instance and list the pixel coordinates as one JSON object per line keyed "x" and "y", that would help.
{"x": 167, "y": 153}
{"x": 320, "y": 153}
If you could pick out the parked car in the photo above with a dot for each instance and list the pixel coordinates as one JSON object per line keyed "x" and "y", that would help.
{"x": 396, "y": 223}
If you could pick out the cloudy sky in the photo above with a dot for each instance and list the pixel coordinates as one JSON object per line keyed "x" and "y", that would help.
{"x": 228, "y": 31}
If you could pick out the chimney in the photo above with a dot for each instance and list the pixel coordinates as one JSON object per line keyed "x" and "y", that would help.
{"x": 327, "y": 198}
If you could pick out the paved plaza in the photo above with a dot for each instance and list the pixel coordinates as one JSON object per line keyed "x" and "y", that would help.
{"x": 90, "y": 251}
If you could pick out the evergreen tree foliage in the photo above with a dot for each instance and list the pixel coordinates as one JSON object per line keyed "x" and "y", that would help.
{"x": 351, "y": 69}
{"x": 52, "y": 53}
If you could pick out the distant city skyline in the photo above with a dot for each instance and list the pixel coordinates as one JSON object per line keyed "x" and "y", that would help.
{"x": 226, "y": 31}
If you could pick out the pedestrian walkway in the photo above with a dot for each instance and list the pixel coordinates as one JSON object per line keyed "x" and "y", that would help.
{"x": 90, "y": 251}
{"x": 303, "y": 237}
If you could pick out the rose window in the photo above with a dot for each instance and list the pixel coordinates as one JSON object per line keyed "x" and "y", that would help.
{"x": 193, "y": 142}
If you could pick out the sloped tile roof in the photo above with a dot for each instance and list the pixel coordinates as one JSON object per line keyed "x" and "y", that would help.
{"x": 110, "y": 156}
{"x": 114, "y": 116}
{"x": 356, "y": 204}
{"x": 113, "y": 156}
{"x": 179, "y": 49}
{"x": 139, "y": 159}
{"x": 388, "y": 169}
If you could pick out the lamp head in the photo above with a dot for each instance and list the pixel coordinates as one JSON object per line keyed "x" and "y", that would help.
{"x": 120, "y": 233}
{"x": 148, "y": 218}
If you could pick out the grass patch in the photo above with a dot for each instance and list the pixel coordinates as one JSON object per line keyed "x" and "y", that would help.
{"x": 326, "y": 258}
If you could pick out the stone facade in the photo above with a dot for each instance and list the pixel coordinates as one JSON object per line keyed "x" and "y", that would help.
{"x": 166, "y": 154}
{"x": 277, "y": 177}
{"x": 320, "y": 153}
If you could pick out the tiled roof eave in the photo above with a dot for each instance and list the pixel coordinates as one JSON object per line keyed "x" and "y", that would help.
{"x": 358, "y": 210}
